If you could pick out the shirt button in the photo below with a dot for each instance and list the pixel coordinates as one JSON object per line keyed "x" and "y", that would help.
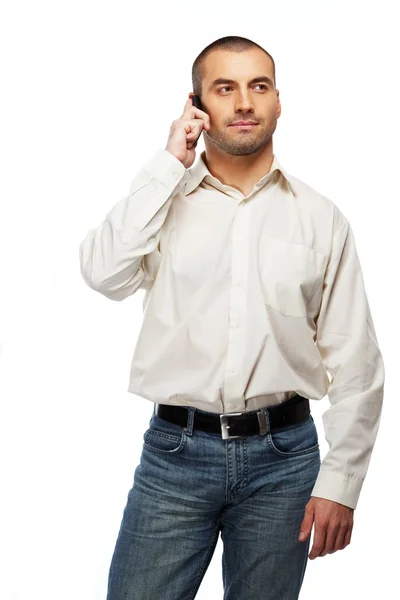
{"x": 239, "y": 240}
{"x": 233, "y": 368}
{"x": 175, "y": 175}
{"x": 240, "y": 282}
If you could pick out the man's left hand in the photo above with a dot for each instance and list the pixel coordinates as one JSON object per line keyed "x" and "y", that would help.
{"x": 333, "y": 525}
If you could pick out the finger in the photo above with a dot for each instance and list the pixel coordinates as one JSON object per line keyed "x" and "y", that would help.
{"x": 193, "y": 123}
{"x": 347, "y": 537}
{"x": 192, "y": 134}
{"x": 200, "y": 114}
{"x": 306, "y": 526}
{"x": 193, "y": 128}
{"x": 330, "y": 540}
{"x": 339, "y": 542}
{"x": 190, "y": 109}
{"x": 192, "y": 142}
{"x": 318, "y": 541}
{"x": 188, "y": 104}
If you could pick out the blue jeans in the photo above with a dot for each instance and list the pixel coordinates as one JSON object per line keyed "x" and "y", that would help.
{"x": 191, "y": 485}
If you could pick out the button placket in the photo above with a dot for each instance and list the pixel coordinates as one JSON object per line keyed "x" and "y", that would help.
{"x": 233, "y": 398}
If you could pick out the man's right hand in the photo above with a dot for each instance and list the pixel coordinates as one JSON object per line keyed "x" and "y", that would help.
{"x": 185, "y": 131}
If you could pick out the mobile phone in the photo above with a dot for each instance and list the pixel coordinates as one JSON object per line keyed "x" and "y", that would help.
{"x": 197, "y": 103}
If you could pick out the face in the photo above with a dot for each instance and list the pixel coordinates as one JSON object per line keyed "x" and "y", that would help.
{"x": 240, "y": 100}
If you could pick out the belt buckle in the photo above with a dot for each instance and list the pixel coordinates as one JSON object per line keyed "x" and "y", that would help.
{"x": 225, "y": 426}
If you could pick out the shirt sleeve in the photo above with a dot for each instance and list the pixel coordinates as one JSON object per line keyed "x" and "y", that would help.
{"x": 348, "y": 346}
{"x": 112, "y": 256}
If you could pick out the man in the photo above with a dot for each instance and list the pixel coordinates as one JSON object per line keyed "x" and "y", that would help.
{"x": 254, "y": 294}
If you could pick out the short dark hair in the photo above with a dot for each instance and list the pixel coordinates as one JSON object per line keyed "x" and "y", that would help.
{"x": 232, "y": 43}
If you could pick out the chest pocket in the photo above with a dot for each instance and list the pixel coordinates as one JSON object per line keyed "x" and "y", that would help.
{"x": 290, "y": 275}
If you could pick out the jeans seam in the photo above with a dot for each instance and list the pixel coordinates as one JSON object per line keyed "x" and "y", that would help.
{"x": 195, "y": 588}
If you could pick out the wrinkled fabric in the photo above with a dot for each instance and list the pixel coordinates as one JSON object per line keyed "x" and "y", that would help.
{"x": 248, "y": 300}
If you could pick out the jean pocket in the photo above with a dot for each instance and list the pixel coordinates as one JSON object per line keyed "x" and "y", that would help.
{"x": 163, "y": 437}
{"x": 294, "y": 440}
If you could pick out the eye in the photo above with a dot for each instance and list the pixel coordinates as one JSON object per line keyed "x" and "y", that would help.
{"x": 258, "y": 85}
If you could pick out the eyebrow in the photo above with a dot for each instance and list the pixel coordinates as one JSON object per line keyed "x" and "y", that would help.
{"x": 222, "y": 80}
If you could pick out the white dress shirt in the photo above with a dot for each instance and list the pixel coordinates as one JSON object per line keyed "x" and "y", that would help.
{"x": 248, "y": 299}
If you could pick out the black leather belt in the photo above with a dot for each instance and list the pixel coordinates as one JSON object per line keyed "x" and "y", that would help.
{"x": 239, "y": 424}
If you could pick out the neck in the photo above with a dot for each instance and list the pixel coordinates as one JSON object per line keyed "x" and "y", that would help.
{"x": 240, "y": 172}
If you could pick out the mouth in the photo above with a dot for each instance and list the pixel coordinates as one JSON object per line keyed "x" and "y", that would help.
{"x": 244, "y": 124}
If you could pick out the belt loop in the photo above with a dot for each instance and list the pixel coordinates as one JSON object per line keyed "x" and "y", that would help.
{"x": 263, "y": 421}
{"x": 190, "y": 418}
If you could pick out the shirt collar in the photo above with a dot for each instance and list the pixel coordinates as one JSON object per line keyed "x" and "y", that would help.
{"x": 200, "y": 171}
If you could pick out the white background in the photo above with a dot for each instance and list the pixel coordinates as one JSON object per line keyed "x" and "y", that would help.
{"x": 88, "y": 92}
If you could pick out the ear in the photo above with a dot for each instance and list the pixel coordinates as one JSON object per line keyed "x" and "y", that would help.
{"x": 278, "y": 104}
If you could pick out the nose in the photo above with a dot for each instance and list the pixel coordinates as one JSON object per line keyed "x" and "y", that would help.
{"x": 244, "y": 103}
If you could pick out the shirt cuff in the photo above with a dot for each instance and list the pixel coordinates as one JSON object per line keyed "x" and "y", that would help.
{"x": 334, "y": 485}
{"x": 167, "y": 169}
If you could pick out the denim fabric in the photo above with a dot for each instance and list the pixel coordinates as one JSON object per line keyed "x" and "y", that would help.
{"x": 190, "y": 486}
